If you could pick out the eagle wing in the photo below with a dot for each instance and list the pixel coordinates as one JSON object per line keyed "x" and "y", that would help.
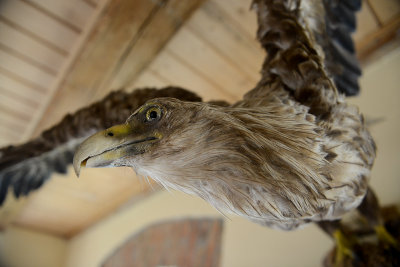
{"x": 27, "y": 166}
{"x": 309, "y": 48}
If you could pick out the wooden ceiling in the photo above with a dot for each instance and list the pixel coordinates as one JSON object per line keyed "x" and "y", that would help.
{"x": 62, "y": 55}
{"x": 38, "y": 38}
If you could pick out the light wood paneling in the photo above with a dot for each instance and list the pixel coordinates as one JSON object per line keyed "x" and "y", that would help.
{"x": 169, "y": 67}
{"x": 205, "y": 59}
{"x": 39, "y": 24}
{"x": 92, "y": 3}
{"x": 11, "y": 85}
{"x": 378, "y": 24}
{"x": 66, "y": 205}
{"x": 71, "y": 12}
{"x": 159, "y": 28}
{"x": 210, "y": 24}
{"x": 149, "y": 79}
{"x": 9, "y": 102}
{"x": 385, "y": 10}
{"x": 366, "y": 22}
{"x": 8, "y": 120}
{"x": 35, "y": 45}
{"x": 30, "y": 72}
{"x": 11, "y": 127}
{"x": 239, "y": 15}
{"x": 37, "y": 37}
{"x": 30, "y": 48}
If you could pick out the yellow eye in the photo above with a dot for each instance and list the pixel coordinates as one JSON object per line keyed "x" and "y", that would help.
{"x": 153, "y": 113}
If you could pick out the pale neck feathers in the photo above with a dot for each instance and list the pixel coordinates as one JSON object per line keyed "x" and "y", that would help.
{"x": 233, "y": 156}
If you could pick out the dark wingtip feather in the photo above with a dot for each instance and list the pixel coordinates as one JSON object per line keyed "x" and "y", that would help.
{"x": 345, "y": 87}
{"x": 28, "y": 175}
{"x": 346, "y": 58}
{"x": 5, "y": 182}
{"x": 17, "y": 188}
{"x": 343, "y": 37}
{"x": 354, "y": 5}
{"x": 344, "y": 16}
{"x": 341, "y": 60}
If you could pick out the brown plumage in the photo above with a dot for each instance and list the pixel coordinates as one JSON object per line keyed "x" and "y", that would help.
{"x": 292, "y": 151}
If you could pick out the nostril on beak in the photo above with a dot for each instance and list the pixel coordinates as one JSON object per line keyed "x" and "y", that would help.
{"x": 110, "y": 134}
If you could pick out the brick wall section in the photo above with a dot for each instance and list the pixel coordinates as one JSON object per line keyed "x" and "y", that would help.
{"x": 185, "y": 242}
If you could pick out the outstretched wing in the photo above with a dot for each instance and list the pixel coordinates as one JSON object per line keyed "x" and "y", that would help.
{"x": 310, "y": 52}
{"x": 26, "y": 167}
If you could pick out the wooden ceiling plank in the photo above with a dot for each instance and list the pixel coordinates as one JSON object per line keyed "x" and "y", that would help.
{"x": 91, "y": 3}
{"x": 27, "y": 59}
{"x": 37, "y": 22}
{"x": 239, "y": 13}
{"x": 30, "y": 47}
{"x": 20, "y": 80}
{"x": 14, "y": 118}
{"x": 15, "y": 105}
{"x": 75, "y": 12}
{"x": 189, "y": 47}
{"x": 10, "y": 126}
{"x": 385, "y": 10}
{"x": 148, "y": 79}
{"x": 366, "y": 22}
{"x": 150, "y": 40}
{"x": 8, "y": 134}
{"x": 108, "y": 38}
{"x": 169, "y": 66}
{"x": 101, "y": 59}
{"x": 33, "y": 36}
{"x": 244, "y": 52}
{"x": 19, "y": 89}
{"x": 46, "y": 12}
{"x": 22, "y": 68}
{"x": 58, "y": 210}
{"x": 375, "y": 40}
{"x": 20, "y": 98}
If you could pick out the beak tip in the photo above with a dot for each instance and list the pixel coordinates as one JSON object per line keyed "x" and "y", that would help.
{"x": 77, "y": 166}
{"x": 77, "y": 170}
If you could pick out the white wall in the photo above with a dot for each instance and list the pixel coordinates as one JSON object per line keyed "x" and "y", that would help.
{"x": 244, "y": 243}
{"x": 21, "y": 248}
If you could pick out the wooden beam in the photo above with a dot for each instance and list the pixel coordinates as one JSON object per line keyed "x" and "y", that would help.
{"x": 372, "y": 42}
{"x": 125, "y": 39}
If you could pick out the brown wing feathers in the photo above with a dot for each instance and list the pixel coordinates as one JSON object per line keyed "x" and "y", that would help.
{"x": 292, "y": 62}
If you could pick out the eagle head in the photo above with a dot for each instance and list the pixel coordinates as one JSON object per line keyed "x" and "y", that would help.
{"x": 159, "y": 130}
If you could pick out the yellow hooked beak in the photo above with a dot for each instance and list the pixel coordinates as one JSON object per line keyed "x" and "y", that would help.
{"x": 108, "y": 147}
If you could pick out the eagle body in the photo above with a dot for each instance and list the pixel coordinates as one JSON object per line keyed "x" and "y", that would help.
{"x": 291, "y": 152}
{"x": 273, "y": 163}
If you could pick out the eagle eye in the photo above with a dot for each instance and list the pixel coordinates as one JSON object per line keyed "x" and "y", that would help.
{"x": 153, "y": 113}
